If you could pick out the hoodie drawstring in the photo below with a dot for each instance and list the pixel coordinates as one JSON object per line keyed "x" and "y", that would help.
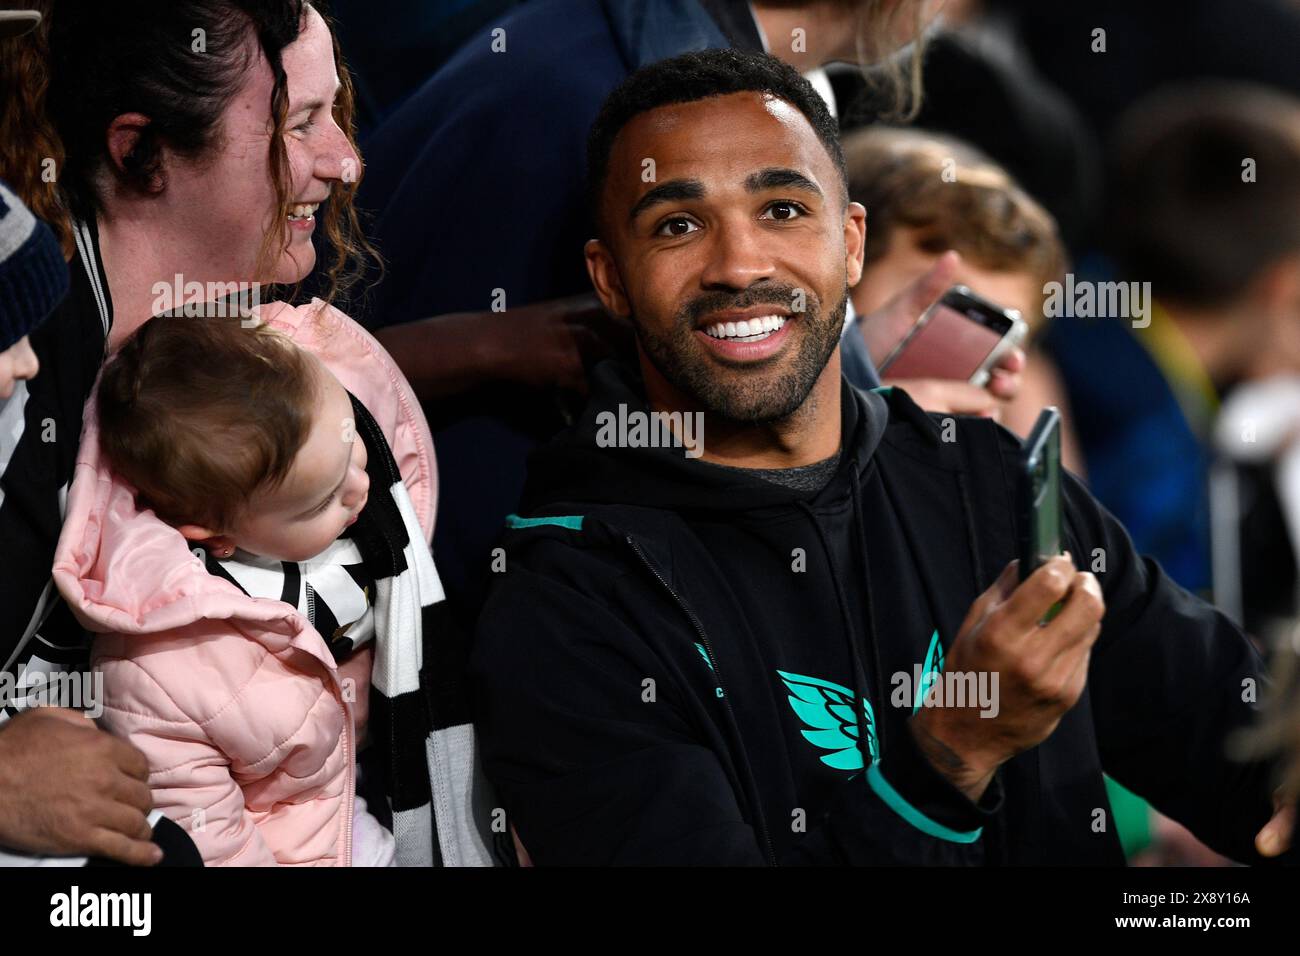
{"x": 997, "y": 843}
{"x": 859, "y": 674}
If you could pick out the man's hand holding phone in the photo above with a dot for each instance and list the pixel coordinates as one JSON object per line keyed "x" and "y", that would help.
{"x": 1042, "y": 669}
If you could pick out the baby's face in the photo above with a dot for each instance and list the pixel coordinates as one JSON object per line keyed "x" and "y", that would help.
{"x": 324, "y": 491}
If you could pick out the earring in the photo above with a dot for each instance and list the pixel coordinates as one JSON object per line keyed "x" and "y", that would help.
{"x": 228, "y": 552}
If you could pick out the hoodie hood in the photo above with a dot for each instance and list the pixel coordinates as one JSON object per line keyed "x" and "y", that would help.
{"x": 576, "y": 467}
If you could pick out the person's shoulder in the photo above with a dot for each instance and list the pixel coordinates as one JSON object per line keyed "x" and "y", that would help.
{"x": 549, "y": 50}
{"x": 330, "y": 334}
{"x": 587, "y": 550}
{"x": 941, "y": 438}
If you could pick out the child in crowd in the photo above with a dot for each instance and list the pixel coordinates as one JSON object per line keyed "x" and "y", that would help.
{"x": 33, "y": 279}
{"x": 926, "y": 194}
{"x": 249, "y": 552}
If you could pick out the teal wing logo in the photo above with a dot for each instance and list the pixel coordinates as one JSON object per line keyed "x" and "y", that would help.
{"x": 930, "y": 670}
{"x": 826, "y": 710}
{"x": 705, "y": 654}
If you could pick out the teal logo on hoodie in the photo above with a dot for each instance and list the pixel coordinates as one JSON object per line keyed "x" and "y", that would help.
{"x": 705, "y": 654}
{"x": 930, "y": 670}
{"x": 826, "y": 710}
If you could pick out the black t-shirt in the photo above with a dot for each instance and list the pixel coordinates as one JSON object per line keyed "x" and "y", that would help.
{"x": 807, "y": 479}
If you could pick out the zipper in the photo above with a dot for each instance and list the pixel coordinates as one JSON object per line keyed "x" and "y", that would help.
{"x": 349, "y": 805}
{"x": 348, "y": 738}
{"x": 717, "y": 673}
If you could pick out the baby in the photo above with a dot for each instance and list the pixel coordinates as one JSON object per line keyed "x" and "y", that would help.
{"x": 250, "y": 448}
{"x": 235, "y": 437}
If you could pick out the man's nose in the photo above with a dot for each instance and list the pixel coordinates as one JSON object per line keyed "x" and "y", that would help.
{"x": 737, "y": 257}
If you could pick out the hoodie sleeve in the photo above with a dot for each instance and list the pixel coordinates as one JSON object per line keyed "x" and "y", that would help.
{"x": 1170, "y": 680}
{"x": 596, "y": 770}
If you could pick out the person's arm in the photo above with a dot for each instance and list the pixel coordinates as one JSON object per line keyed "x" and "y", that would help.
{"x": 544, "y": 345}
{"x": 1171, "y": 679}
{"x": 591, "y": 772}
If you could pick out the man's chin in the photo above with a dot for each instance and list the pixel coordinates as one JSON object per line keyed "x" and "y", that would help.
{"x": 755, "y": 396}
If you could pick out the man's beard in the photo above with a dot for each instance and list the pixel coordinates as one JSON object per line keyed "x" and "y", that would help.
{"x": 764, "y": 394}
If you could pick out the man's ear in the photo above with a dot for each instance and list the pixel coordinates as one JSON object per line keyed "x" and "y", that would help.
{"x": 123, "y": 138}
{"x": 605, "y": 278}
{"x": 855, "y": 238}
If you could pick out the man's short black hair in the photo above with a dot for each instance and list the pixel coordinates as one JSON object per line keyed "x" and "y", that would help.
{"x": 698, "y": 76}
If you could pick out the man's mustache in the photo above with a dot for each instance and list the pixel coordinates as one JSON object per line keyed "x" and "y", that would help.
{"x": 784, "y": 296}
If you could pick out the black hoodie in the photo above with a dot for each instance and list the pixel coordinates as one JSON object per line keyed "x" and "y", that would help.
{"x": 671, "y": 657}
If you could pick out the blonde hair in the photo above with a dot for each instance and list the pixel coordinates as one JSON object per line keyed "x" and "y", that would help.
{"x": 893, "y": 75}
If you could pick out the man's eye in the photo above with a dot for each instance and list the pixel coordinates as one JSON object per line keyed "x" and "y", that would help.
{"x": 785, "y": 211}
{"x": 674, "y": 227}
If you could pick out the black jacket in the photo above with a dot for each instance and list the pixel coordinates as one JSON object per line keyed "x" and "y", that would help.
{"x": 668, "y": 660}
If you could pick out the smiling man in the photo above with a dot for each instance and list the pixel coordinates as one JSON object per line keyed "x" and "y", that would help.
{"x": 698, "y": 660}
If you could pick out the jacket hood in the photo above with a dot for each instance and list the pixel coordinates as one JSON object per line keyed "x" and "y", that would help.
{"x": 582, "y": 465}
{"x": 123, "y": 570}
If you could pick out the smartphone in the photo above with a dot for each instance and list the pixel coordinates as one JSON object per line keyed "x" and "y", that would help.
{"x": 1040, "y": 493}
{"x": 960, "y": 337}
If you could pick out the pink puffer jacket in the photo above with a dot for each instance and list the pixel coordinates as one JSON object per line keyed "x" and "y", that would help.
{"x": 235, "y": 701}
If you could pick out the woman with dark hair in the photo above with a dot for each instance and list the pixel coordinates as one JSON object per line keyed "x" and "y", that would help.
{"x": 202, "y": 141}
